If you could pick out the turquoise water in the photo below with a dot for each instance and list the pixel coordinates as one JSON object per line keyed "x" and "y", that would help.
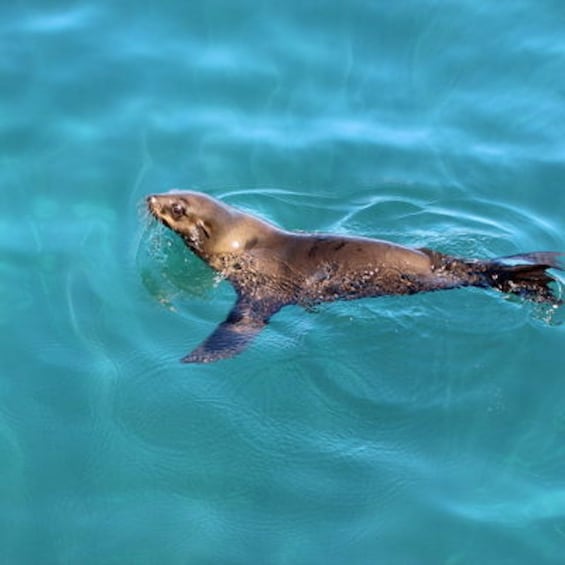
{"x": 404, "y": 430}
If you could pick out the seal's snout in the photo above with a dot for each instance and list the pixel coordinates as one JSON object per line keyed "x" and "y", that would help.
{"x": 152, "y": 205}
{"x": 152, "y": 202}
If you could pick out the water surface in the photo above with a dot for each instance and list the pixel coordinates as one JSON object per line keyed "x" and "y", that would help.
{"x": 423, "y": 429}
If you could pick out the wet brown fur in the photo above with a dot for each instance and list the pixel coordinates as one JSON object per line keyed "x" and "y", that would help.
{"x": 271, "y": 268}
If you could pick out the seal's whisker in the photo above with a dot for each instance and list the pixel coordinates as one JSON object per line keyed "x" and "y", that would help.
{"x": 146, "y": 216}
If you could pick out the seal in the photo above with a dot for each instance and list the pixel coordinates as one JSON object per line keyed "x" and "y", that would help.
{"x": 270, "y": 268}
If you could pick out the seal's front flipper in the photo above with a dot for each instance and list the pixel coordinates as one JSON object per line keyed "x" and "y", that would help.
{"x": 245, "y": 320}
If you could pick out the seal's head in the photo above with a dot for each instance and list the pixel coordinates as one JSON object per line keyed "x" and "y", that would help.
{"x": 207, "y": 226}
{"x": 194, "y": 216}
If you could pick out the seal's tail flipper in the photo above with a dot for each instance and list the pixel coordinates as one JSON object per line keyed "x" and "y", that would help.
{"x": 245, "y": 320}
{"x": 524, "y": 275}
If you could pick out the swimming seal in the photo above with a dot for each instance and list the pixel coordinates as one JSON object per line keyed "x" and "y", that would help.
{"x": 271, "y": 268}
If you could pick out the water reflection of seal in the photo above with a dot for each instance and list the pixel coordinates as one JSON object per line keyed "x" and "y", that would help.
{"x": 271, "y": 268}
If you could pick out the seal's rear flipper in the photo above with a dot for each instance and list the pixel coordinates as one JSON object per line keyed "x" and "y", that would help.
{"x": 525, "y": 275}
{"x": 245, "y": 320}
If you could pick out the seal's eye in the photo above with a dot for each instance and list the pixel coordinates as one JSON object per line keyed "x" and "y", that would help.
{"x": 177, "y": 210}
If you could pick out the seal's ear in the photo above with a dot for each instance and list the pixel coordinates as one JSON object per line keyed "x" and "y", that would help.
{"x": 204, "y": 228}
{"x": 245, "y": 320}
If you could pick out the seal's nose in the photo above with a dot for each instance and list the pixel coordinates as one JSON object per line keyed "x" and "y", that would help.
{"x": 151, "y": 202}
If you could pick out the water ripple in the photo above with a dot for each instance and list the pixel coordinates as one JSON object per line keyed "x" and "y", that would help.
{"x": 357, "y": 430}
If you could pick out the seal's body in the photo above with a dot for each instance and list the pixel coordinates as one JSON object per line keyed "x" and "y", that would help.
{"x": 271, "y": 268}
